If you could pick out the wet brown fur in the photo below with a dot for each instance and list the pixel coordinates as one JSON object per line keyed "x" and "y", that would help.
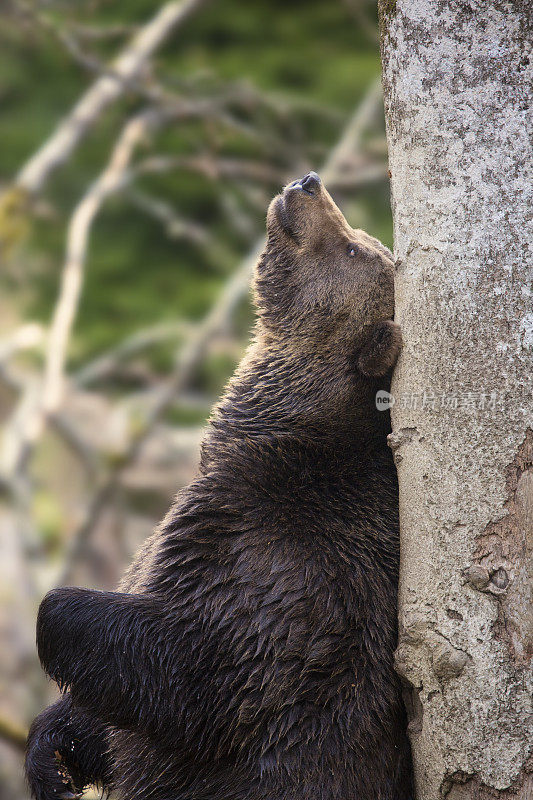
{"x": 248, "y": 654}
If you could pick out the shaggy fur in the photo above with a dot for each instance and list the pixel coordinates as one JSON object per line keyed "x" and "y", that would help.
{"x": 249, "y": 652}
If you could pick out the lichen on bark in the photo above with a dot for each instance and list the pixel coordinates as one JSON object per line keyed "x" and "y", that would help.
{"x": 457, "y": 83}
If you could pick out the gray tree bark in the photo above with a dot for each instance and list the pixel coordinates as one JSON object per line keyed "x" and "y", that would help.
{"x": 457, "y": 80}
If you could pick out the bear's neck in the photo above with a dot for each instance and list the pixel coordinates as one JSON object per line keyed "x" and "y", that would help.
{"x": 289, "y": 399}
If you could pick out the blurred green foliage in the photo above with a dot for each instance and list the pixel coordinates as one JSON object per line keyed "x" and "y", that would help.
{"x": 303, "y": 55}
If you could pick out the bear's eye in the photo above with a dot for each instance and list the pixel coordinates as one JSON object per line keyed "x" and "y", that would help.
{"x": 352, "y": 250}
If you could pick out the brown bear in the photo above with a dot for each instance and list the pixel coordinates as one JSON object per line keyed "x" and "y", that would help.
{"x": 249, "y": 652}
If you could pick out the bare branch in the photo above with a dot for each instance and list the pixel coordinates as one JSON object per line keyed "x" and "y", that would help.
{"x": 356, "y": 8}
{"x": 99, "y": 33}
{"x": 215, "y": 168}
{"x": 104, "y": 365}
{"x": 62, "y": 33}
{"x": 102, "y": 93}
{"x": 42, "y": 400}
{"x": 28, "y": 389}
{"x": 239, "y": 218}
{"x": 175, "y": 226}
{"x": 24, "y": 338}
{"x": 350, "y": 141}
{"x": 78, "y": 445}
{"x": 108, "y": 182}
{"x": 370, "y": 173}
{"x": 22, "y": 427}
{"x": 13, "y": 734}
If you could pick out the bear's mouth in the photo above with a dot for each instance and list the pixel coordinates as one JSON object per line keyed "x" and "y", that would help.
{"x": 287, "y": 206}
{"x": 283, "y": 218}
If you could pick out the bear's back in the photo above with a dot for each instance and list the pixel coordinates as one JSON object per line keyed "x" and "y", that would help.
{"x": 280, "y": 584}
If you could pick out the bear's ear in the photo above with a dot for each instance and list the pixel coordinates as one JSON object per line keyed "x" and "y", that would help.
{"x": 380, "y": 352}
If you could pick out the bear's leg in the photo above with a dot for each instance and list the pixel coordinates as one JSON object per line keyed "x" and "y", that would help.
{"x": 103, "y": 647}
{"x": 66, "y": 751}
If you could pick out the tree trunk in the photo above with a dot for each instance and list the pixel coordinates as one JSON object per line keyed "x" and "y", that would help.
{"x": 457, "y": 81}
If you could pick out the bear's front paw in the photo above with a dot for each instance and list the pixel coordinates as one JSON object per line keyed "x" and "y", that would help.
{"x": 381, "y": 350}
{"x": 52, "y": 782}
{"x": 46, "y": 772}
{"x": 49, "y": 779}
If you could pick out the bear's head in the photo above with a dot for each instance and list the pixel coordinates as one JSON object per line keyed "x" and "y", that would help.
{"x": 320, "y": 281}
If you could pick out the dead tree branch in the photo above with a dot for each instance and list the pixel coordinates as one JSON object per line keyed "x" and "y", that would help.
{"x": 214, "y": 168}
{"x": 26, "y": 337}
{"x": 176, "y": 227}
{"x": 357, "y": 10}
{"x": 77, "y": 240}
{"x": 108, "y": 88}
{"x": 42, "y": 400}
{"x": 350, "y": 142}
{"x": 104, "y": 365}
{"x": 13, "y": 734}
{"x": 101, "y": 32}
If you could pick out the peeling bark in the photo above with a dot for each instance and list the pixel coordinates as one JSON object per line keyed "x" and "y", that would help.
{"x": 457, "y": 80}
{"x": 505, "y": 551}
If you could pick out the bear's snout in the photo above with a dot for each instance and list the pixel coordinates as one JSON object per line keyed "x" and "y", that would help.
{"x": 310, "y": 184}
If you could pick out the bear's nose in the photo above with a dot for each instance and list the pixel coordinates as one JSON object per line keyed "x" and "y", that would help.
{"x": 310, "y": 182}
